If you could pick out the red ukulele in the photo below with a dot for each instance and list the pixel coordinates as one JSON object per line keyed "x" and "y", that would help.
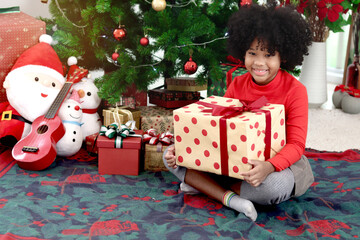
{"x": 37, "y": 150}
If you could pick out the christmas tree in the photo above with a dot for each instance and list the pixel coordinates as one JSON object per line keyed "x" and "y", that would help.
{"x": 179, "y": 32}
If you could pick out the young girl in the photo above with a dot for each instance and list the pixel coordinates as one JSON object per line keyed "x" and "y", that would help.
{"x": 269, "y": 40}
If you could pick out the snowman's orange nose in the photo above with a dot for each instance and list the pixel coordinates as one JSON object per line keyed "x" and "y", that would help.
{"x": 81, "y": 93}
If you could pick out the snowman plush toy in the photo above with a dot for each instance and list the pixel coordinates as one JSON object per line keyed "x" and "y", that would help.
{"x": 70, "y": 114}
{"x": 90, "y": 101}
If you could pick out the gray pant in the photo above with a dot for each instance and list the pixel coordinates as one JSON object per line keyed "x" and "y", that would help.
{"x": 276, "y": 188}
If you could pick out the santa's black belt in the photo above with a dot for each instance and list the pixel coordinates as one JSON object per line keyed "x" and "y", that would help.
{"x": 7, "y": 115}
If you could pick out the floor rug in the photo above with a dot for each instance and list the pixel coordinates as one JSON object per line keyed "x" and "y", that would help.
{"x": 71, "y": 200}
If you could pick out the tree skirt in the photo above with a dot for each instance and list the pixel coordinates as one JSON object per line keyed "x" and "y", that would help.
{"x": 72, "y": 201}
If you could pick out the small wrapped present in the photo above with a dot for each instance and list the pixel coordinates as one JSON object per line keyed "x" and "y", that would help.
{"x": 154, "y": 149}
{"x": 156, "y": 117}
{"x": 129, "y": 102}
{"x": 218, "y": 86}
{"x": 121, "y": 115}
{"x": 119, "y": 150}
{"x": 172, "y": 99}
{"x": 220, "y": 135}
{"x": 18, "y": 32}
{"x": 187, "y": 84}
{"x": 90, "y": 143}
{"x": 139, "y": 95}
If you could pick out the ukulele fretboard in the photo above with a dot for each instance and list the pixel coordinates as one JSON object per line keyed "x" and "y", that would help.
{"x": 58, "y": 101}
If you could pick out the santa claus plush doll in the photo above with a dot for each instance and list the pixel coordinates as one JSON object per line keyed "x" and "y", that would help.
{"x": 31, "y": 87}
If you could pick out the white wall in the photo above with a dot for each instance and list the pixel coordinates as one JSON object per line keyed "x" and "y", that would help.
{"x": 33, "y": 8}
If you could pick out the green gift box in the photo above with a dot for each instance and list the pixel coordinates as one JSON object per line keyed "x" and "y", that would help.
{"x": 218, "y": 86}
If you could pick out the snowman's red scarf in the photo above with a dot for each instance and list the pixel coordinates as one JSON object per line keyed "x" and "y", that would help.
{"x": 90, "y": 111}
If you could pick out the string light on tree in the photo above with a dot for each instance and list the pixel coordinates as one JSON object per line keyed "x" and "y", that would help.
{"x": 158, "y": 5}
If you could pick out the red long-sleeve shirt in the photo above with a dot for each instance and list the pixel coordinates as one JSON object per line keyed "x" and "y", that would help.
{"x": 283, "y": 89}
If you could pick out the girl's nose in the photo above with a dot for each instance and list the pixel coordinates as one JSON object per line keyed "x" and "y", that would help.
{"x": 259, "y": 61}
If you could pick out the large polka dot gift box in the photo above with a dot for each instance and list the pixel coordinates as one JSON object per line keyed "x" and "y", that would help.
{"x": 219, "y": 135}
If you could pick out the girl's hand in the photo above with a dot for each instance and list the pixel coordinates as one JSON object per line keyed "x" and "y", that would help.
{"x": 170, "y": 157}
{"x": 260, "y": 170}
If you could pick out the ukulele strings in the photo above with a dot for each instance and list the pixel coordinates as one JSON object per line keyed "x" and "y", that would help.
{"x": 51, "y": 113}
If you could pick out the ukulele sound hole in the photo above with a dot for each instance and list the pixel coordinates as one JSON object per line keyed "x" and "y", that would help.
{"x": 42, "y": 129}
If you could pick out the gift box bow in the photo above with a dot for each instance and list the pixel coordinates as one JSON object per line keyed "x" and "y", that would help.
{"x": 153, "y": 137}
{"x": 115, "y": 111}
{"x": 229, "y": 112}
{"x": 10, "y": 10}
{"x": 119, "y": 132}
{"x": 236, "y": 63}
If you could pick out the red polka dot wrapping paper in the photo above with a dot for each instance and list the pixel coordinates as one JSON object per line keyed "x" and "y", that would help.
{"x": 197, "y": 136}
{"x": 18, "y": 32}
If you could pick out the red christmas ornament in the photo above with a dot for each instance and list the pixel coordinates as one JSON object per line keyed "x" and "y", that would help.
{"x": 190, "y": 67}
{"x": 115, "y": 56}
{"x": 119, "y": 33}
{"x": 245, "y": 2}
{"x": 144, "y": 41}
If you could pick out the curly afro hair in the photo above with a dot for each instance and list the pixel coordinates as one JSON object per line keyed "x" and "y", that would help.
{"x": 280, "y": 29}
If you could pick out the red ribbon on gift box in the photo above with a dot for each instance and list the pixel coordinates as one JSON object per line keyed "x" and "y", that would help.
{"x": 236, "y": 63}
{"x": 153, "y": 137}
{"x": 229, "y": 112}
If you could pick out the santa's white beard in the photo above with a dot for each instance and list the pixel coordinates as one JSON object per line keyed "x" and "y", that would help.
{"x": 25, "y": 96}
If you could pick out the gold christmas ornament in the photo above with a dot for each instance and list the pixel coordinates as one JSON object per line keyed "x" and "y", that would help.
{"x": 158, "y": 5}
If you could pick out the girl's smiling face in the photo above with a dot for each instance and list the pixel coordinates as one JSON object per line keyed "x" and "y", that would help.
{"x": 262, "y": 66}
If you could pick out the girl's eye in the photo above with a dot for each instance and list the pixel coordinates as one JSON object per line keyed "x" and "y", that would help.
{"x": 53, "y": 84}
{"x": 251, "y": 53}
{"x": 36, "y": 79}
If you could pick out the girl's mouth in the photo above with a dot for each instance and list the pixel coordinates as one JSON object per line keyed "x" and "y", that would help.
{"x": 260, "y": 72}
{"x": 44, "y": 95}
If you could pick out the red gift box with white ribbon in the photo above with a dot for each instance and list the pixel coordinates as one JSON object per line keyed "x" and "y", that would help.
{"x": 120, "y": 156}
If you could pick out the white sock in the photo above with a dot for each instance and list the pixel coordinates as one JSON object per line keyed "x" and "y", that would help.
{"x": 234, "y": 201}
{"x": 187, "y": 189}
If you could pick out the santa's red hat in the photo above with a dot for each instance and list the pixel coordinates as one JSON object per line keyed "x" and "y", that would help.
{"x": 40, "y": 58}
{"x": 72, "y": 61}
